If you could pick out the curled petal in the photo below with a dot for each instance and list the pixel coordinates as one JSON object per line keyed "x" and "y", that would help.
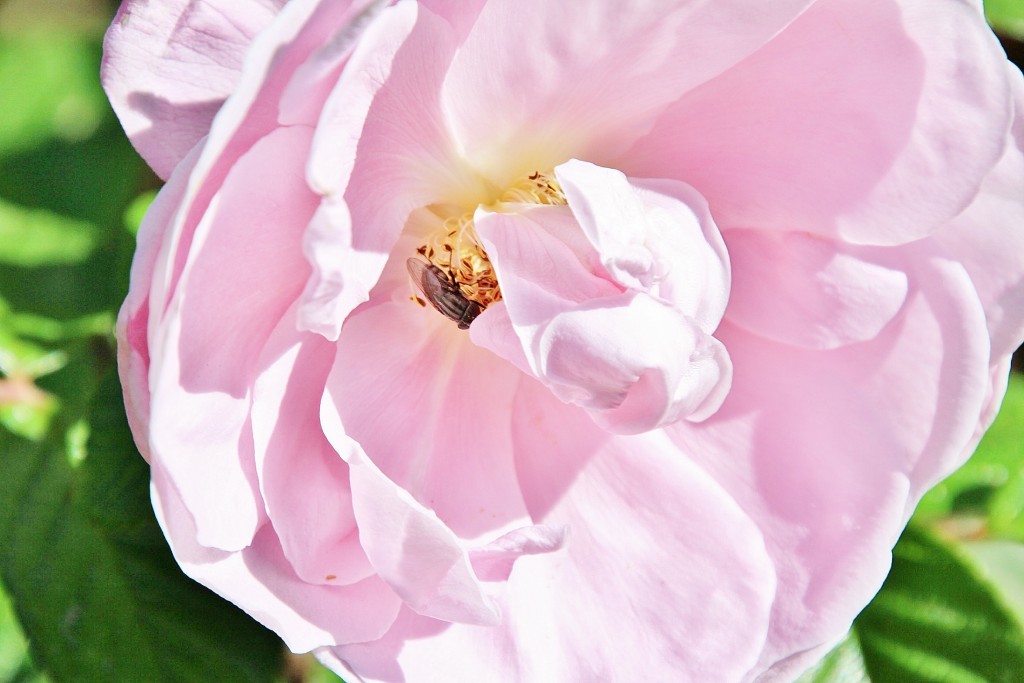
{"x": 656, "y": 236}
{"x": 637, "y": 361}
{"x": 494, "y": 561}
{"x": 591, "y": 357}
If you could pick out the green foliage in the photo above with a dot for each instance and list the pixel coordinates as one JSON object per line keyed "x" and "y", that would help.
{"x": 90, "y": 574}
{"x": 50, "y": 74}
{"x": 952, "y": 610}
{"x": 85, "y": 567}
{"x": 985, "y": 498}
{"x": 937, "y": 619}
{"x": 15, "y": 663}
{"x": 1006, "y": 16}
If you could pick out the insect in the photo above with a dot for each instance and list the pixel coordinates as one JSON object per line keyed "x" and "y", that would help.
{"x": 443, "y": 293}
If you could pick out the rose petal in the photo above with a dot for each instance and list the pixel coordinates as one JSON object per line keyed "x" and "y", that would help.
{"x": 431, "y": 411}
{"x": 205, "y": 346}
{"x": 853, "y": 115}
{"x": 409, "y": 547}
{"x": 260, "y": 581}
{"x": 133, "y": 357}
{"x": 806, "y": 290}
{"x": 831, "y": 450}
{"x": 168, "y": 67}
{"x": 303, "y": 480}
{"x": 654, "y": 235}
{"x": 378, "y": 159}
{"x": 634, "y": 361}
{"x": 988, "y": 237}
{"x": 635, "y": 509}
{"x": 309, "y": 87}
{"x": 530, "y": 86}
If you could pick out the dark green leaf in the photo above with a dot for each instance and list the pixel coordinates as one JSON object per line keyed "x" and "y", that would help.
{"x": 87, "y": 568}
{"x": 936, "y": 620}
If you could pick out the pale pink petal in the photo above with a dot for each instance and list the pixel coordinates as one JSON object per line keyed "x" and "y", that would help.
{"x": 639, "y": 515}
{"x": 656, "y": 235}
{"x": 869, "y": 120}
{"x": 309, "y": 87}
{"x": 302, "y": 478}
{"x": 377, "y": 158}
{"x": 830, "y": 450}
{"x": 988, "y": 238}
{"x": 591, "y": 357}
{"x": 803, "y": 289}
{"x": 635, "y": 361}
{"x": 247, "y": 116}
{"x": 430, "y": 410}
{"x": 168, "y": 67}
{"x": 133, "y": 318}
{"x": 259, "y": 580}
{"x": 409, "y": 547}
{"x": 206, "y": 344}
{"x": 537, "y": 82}
{"x": 415, "y": 409}
{"x": 494, "y": 561}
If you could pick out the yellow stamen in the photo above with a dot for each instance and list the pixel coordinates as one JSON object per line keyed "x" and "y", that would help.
{"x": 455, "y": 248}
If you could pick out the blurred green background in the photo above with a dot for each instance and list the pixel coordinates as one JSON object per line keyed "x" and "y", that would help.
{"x": 88, "y": 589}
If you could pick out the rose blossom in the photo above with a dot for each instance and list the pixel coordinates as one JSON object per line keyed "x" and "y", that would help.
{"x": 742, "y": 280}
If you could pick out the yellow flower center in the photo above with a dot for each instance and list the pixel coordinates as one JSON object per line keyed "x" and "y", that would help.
{"x": 455, "y": 249}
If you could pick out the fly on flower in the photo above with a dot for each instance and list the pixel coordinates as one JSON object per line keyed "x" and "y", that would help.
{"x": 443, "y": 293}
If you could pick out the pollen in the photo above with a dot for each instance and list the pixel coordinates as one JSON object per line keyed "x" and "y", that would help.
{"x": 455, "y": 249}
{"x": 537, "y": 188}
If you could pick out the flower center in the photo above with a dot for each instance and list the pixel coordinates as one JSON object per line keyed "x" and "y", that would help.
{"x": 458, "y": 273}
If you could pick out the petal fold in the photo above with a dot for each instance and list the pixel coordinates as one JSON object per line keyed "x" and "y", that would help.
{"x": 168, "y": 67}
{"x": 810, "y": 291}
{"x": 409, "y": 547}
{"x": 614, "y": 298}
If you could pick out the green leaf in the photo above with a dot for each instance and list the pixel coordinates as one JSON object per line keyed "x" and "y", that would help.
{"x": 935, "y": 620}
{"x": 90, "y": 575}
{"x": 34, "y": 237}
{"x": 15, "y": 663}
{"x": 843, "y": 664}
{"x": 136, "y": 211}
{"x": 1006, "y": 16}
{"x": 986, "y": 496}
{"x": 49, "y": 83}
{"x": 1002, "y": 562}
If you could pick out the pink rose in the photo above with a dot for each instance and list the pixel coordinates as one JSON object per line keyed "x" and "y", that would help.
{"x": 741, "y": 281}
